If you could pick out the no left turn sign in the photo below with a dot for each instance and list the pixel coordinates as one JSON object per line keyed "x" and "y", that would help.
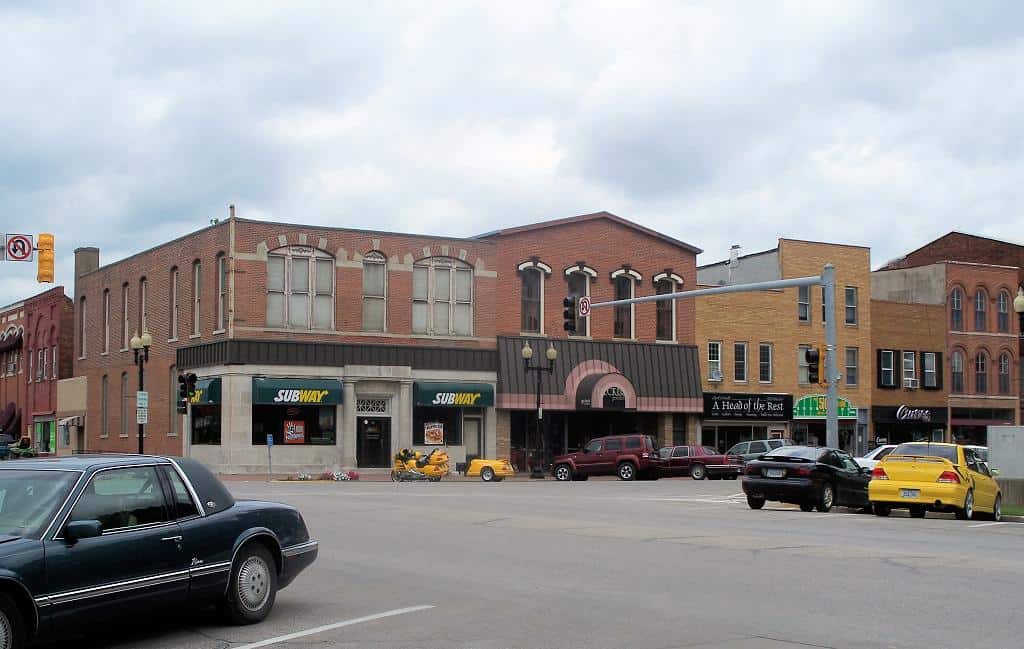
{"x": 583, "y": 307}
{"x": 19, "y": 247}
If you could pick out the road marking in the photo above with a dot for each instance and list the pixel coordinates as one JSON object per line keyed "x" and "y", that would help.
{"x": 331, "y": 627}
{"x": 997, "y": 523}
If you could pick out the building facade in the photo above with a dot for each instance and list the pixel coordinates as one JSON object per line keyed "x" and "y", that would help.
{"x": 752, "y": 346}
{"x": 336, "y": 347}
{"x": 35, "y": 350}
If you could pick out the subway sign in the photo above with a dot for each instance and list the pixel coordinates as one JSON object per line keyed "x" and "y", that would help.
{"x": 454, "y": 395}
{"x": 468, "y": 399}
{"x": 300, "y": 392}
{"x": 301, "y": 396}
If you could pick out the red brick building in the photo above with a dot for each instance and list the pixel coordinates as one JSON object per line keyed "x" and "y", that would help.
{"x": 35, "y": 352}
{"x": 344, "y": 345}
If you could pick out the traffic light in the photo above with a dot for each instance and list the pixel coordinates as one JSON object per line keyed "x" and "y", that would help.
{"x": 44, "y": 244}
{"x": 813, "y": 357}
{"x": 190, "y": 380}
{"x": 182, "y": 394}
{"x": 569, "y": 313}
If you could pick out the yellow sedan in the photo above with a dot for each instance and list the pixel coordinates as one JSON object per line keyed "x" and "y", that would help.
{"x": 921, "y": 476}
{"x": 490, "y": 470}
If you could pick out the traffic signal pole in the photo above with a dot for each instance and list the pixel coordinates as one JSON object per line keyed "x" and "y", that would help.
{"x": 827, "y": 279}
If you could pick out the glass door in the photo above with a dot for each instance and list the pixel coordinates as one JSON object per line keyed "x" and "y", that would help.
{"x": 473, "y": 437}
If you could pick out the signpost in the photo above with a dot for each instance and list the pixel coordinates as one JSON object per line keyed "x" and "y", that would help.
{"x": 141, "y": 407}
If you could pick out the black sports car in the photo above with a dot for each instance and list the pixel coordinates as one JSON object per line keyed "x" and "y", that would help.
{"x": 808, "y": 476}
{"x": 90, "y": 537}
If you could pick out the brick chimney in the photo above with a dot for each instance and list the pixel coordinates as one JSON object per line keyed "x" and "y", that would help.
{"x": 86, "y": 259}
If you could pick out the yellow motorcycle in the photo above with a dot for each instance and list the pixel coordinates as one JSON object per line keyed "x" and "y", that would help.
{"x": 415, "y": 465}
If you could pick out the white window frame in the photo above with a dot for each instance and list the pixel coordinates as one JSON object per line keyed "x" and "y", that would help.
{"x": 635, "y": 279}
{"x": 909, "y": 366}
{"x": 715, "y": 363}
{"x": 771, "y": 362}
{"x": 746, "y": 361}
{"x": 105, "y": 407}
{"x": 174, "y": 305}
{"x": 846, "y": 311}
{"x": 142, "y": 306}
{"x": 956, "y": 366}
{"x": 222, "y": 293}
{"x": 53, "y": 363}
{"x": 1008, "y": 374}
{"x": 41, "y": 363}
{"x": 956, "y": 306}
{"x": 125, "y": 325}
{"x": 197, "y": 298}
{"x": 533, "y": 265}
{"x": 588, "y": 274}
{"x": 933, "y": 382}
{"x": 801, "y": 302}
{"x": 802, "y": 367}
{"x": 1003, "y": 312}
{"x": 890, "y": 368}
{"x": 981, "y": 364}
{"x": 676, "y": 282}
{"x": 455, "y": 266}
{"x": 310, "y": 256}
{"x": 106, "y": 321}
{"x": 983, "y": 303}
{"x": 856, "y": 365}
{"x": 375, "y": 258}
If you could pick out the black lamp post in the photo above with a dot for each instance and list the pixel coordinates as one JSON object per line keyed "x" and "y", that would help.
{"x": 140, "y": 348}
{"x": 539, "y": 370}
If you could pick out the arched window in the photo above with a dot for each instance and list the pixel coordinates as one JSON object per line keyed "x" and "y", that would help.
{"x": 980, "y": 309}
{"x": 173, "y": 418}
{"x": 442, "y": 297}
{"x": 197, "y": 294}
{"x": 577, "y": 279}
{"x": 81, "y": 327}
{"x": 665, "y": 283}
{"x": 1005, "y": 364}
{"x": 956, "y": 366}
{"x": 222, "y": 292}
{"x": 531, "y": 295}
{"x": 106, "y": 321}
{"x": 625, "y": 280}
{"x": 1004, "y": 312}
{"x": 375, "y": 292}
{"x": 105, "y": 407}
{"x": 126, "y": 332}
{"x": 142, "y": 307}
{"x": 981, "y": 373}
{"x": 172, "y": 333}
{"x": 956, "y": 309}
{"x": 126, "y": 404}
{"x": 300, "y": 288}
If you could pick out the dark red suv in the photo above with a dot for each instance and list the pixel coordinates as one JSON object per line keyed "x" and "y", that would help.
{"x": 626, "y": 456}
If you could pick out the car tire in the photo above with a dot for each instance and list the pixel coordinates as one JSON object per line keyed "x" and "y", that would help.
{"x": 967, "y": 511}
{"x": 12, "y": 625}
{"x": 754, "y": 502}
{"x": 881, "y": 510}
{"x": 626, "y": 471}
{"x": 698, "y": 472}
{"x": 917, "y": 511}
{"x": 487, "y": 474}
{"x": 563, "y": 473}
{"x": 826, "y": 497}
{"x": 252, "y": 587}
{"x": 807, "y": 507}
{"x": 997, "y": 508}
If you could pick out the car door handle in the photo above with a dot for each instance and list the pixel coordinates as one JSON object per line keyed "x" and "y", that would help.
{"x": 175, "y": 539}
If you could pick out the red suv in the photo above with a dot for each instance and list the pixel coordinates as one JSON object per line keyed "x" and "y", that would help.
{"x": 626, "y": 456}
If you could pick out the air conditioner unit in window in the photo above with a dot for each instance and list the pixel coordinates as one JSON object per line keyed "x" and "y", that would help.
{"x": 910, "y": 383}
{"x": 716, "y": 375}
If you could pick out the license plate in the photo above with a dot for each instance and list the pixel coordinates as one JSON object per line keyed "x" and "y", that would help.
{"x": 775, "y": 473}
{"x": 910, "y": 493}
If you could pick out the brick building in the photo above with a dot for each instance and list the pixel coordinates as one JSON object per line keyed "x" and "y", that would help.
{"x": 344, "y": 345}
{"x": 35, "y": 350}
{"x": 754, "y": 374}
{"x": 909, "y": 396}
{"x": 981, "y": 337}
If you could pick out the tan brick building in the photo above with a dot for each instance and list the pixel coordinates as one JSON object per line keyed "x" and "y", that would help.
{"x": 752, "y": 345}
{"x": 345, "y": 345}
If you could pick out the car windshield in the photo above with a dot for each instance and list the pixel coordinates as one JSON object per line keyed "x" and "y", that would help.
{"x": 28, "y": 499}
{"x": 794, "y": 453}
{"x": 927, "y": 450}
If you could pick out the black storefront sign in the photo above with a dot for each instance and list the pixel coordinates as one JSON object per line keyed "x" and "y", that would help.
{"x": 905, "y": 414}
{"x": 775, "y": 407}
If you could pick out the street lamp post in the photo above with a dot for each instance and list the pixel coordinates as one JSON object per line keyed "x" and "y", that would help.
{"x": 140, "y": 348}
{"x": 1018, "y": 306}
{"x": 538, "y": 371}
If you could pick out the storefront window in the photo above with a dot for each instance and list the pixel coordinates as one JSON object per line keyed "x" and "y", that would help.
{"x": 439, "y": 426}
{"x": 294, "y": 425}
{"x": 206, "y": 424}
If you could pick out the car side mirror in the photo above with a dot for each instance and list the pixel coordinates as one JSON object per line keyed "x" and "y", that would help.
{"x": 77, "y": 530}
{"x": 994, "y": 472}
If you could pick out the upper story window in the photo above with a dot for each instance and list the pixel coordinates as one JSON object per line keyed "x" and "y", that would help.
{"x": 126, "y": 331}
{"x": 665, "y": 310}
{"x": 956, "y": 367}
{"x": 625, "y": 280}
{"x": 442, "y": 297}
{"x": 886, "y": 368}
{"x": 803, "y": 370}
{"x": 851, "y": 305}
{"x": 173, "y": 292}
{"x": 739, "y": 362}
{"x": 1004, "y": 373}
{"x": 765, "y": 363}
{"x": 980, "y": 309}
{"x": 714, "y": 361}
{"x": 197, "y": 295}
{"x": 909, "y": 369}
{"x": 956, "y": 309}
{"x": 81, "y": 327}
{"x": 222, "y": 292}
{"x": 142, "y": 306}
{"x": 981, "y": 373}
{"x": 803, "y": 304}
{"x": 852, "y": 362}
{"x": 375, "y": 292}
{"x": 577, "y": 279}
{"x": 1004, "y": 312}
{"x": 104, "y": 407}
{"x": 300, "y": 288}
{"x": 106, "y": 321}
{"x": 930, "y": 364}
{"x": 531, "y": 295}
{"x": 41, "y": 365}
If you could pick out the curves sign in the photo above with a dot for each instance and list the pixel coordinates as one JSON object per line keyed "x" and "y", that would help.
{"x": 18, "y": 247}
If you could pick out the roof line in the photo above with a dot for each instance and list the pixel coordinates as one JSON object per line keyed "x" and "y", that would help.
{"x": 20, "y": 303}
{"x": 753, "y": 254}
{"x": 948, "y": 234}
{"x": 357, "y": 230}
{"x": 826, "y": 243}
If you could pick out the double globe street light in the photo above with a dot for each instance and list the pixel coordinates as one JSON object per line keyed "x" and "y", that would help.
{"x": 538, "y": 370}
{"x": 140, "y": 349}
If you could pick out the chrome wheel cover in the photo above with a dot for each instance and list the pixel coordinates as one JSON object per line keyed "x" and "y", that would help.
{"x": 562, "y": 473}
{"x": 997, "y": 511}
{"x": 253, "y": 583}
{"x": 6, "y": 632}
{"x": 626, "y": 471}
{"x": 969, "y": 504}
{"x": 826, "y": 496}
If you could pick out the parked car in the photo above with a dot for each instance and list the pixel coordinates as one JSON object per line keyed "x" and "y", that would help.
{"x": 626, "y": 456}
{"x": 756, "y": 448}
{"x": 93, "y": 538}
{"x": 699, "y": 462}
{"x": 923, "y": 476}
{"x": 873, "y": 457}
{"x": 809, "y": 476}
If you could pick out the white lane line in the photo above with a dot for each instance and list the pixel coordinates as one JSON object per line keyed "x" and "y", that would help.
{"x": 331, "y": 627}
{"x": 989, "y": 524}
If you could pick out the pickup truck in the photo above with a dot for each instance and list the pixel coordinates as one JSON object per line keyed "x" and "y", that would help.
{"x": 699, "y": 462}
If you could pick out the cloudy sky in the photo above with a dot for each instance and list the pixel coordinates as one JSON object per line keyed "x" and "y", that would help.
{"x": 883, "y": 124}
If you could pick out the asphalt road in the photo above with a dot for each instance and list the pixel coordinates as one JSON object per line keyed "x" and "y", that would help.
{"x": 643, "y": 565}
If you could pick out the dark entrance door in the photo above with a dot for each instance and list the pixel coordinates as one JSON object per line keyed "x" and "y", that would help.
{"x": 373, "y": 442}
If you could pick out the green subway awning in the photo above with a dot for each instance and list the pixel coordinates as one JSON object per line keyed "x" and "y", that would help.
{"x": 814, "y": 406}
{"x": 301, "y": 392}
{"x": 207, "y": 392}
{"x": 454, "y": 395}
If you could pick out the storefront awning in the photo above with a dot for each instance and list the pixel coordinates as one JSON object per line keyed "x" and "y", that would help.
{"x": 454, "y": 395}
{"x": 814, "y": 406}
{"x": 207, "y": 392}
{"x": 308, "y": 392}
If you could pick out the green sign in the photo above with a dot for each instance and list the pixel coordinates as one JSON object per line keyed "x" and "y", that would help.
{"x": 296, "y": 392}
{"x": 207, "y": 392}
{"x": 815, "y": 406}
{"x": 454, "y": 395}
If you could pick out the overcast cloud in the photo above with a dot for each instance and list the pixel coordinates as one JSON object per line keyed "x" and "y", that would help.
{"x": 882, "y": 124}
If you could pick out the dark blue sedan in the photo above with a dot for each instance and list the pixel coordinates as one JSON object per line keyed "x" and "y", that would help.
{"x": 87, "y": 538}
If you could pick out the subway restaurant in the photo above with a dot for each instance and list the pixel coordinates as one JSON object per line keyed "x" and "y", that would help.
{"x": 452, "y": 415}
